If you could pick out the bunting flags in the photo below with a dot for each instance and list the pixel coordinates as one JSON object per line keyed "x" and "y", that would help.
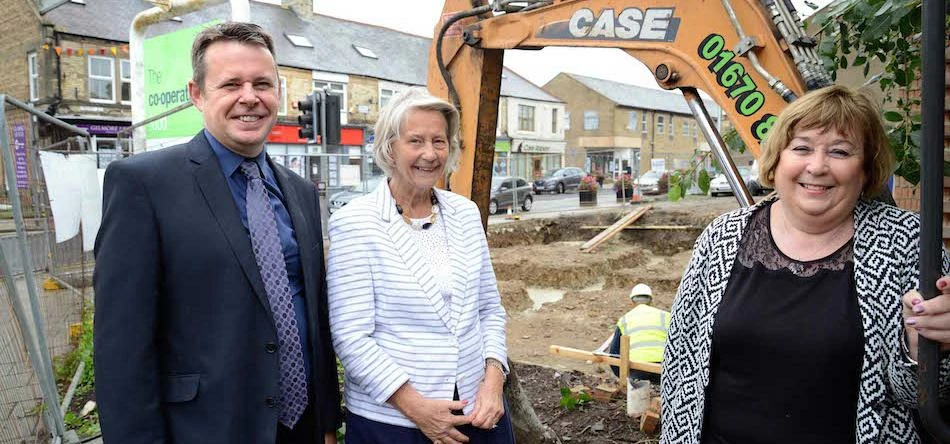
{"x": 84, "y": 51}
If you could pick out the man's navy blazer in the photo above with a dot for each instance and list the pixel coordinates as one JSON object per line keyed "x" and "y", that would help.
{"x": 185, "y": 343}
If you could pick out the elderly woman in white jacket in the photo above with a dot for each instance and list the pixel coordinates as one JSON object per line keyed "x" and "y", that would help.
{"x": 414, "y": 307}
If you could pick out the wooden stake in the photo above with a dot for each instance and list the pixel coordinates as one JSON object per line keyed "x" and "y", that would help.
{"x": 624, "y": 361}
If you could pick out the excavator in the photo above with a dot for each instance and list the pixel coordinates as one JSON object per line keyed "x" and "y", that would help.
{"x": 751, "y": 56}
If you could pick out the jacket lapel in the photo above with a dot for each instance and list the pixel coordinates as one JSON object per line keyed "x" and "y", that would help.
{"x": 294, "y": 203}
{"x": 414, "y": 259}
{"x": 455, "y": 237}
{"x": 214, "y": 188}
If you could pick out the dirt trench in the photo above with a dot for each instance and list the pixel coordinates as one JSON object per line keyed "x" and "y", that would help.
{"x": 557, "y": 295}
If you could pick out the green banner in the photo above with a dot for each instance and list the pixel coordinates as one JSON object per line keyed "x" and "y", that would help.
{"x": 502, "y": 146}
{"x": 167, "y": 72}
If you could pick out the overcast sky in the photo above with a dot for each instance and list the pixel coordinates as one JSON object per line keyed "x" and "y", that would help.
{"x": 420, "y": 16}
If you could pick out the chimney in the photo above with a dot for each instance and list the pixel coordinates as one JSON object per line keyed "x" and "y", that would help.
{"x": 303, "y": 8}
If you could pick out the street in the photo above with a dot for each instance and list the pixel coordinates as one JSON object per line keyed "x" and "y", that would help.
{"x": 560, "y": 203}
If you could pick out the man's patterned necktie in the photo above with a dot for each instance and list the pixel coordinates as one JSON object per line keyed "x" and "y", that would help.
{"x": 262, "y": 223}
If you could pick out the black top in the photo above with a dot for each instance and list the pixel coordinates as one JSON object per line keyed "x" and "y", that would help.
{"x": 787, "y": 347}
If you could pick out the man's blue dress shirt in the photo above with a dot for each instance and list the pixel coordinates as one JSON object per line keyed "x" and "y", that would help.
{"x": 237, "y": 183}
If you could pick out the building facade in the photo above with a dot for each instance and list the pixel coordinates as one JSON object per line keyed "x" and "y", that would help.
{"x": 616, "y": 127}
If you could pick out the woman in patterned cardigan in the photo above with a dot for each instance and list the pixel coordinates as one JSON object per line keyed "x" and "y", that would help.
{"x": 796, "y": 320}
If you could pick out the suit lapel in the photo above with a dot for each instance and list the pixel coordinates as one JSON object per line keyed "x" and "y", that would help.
{"x": 405, "y": 244}
{"x": 455, "y": 237}
{"x": 214, "y": 188}
{"x": 294, "y": 203}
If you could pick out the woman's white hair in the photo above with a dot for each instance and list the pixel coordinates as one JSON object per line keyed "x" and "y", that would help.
{"x": 394, "y": 115}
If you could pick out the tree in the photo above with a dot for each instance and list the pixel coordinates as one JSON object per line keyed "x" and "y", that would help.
{"x": 852, "y": 33}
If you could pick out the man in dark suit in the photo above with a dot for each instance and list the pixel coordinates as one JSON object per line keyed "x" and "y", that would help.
{"x": 211, "y": 312}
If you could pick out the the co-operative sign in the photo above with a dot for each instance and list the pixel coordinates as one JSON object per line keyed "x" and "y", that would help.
{"x": 653, "y": 24}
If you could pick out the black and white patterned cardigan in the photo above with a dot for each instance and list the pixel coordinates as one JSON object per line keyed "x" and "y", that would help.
{"x": 886, "y": 255}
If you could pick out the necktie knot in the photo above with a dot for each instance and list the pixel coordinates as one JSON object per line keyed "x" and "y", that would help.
{"x": 250, "y": 169}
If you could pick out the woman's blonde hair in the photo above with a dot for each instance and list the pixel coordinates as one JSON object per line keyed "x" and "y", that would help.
{"x": 394, "y": 115}
{"x": 839, "y": 108}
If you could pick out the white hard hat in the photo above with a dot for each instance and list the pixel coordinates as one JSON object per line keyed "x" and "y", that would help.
{"x": 641, "y": 290}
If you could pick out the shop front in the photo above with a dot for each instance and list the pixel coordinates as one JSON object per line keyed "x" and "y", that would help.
{"x": 104, "y": 139}
{"x": 531, "y": 158}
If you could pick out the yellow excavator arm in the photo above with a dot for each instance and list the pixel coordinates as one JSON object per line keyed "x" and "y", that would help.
{"x": 750, "y": 56}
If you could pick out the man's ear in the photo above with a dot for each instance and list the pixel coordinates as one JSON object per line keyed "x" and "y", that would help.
{"x": 194, "y": 93}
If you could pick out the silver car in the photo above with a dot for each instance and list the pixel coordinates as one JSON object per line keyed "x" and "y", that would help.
{"x": 339, "y": 199}
{"x": 504, "y": 191}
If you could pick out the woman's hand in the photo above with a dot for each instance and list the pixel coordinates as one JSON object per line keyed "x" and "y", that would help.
{"x": 329, "y": 438}
{"x": 433, "y": 417}
{"x": 930, "y": 319}
{"x": 489, "y": 401}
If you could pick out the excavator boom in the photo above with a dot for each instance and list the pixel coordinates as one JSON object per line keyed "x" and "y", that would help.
{"x": 737, "y": 51}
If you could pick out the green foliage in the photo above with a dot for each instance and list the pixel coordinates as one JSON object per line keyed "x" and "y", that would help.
{"x": 571, "y": 401}
{"x": 682, "y": 180}
{"x": 65, "y": 367}
{"x": 854, "y": 32}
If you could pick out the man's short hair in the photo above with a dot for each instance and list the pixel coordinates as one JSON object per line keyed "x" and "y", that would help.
{"x": 246, "y": 33}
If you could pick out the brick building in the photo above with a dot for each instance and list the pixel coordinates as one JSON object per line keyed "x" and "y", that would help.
{"x": 613, "y": 125}
{"x": 73, "y": 60}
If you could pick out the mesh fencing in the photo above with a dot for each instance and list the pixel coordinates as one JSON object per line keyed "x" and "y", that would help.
{"x": 42, "y": 292}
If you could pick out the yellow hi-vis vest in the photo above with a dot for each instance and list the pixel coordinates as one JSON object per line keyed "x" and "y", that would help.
{"x": 647, "y": 327}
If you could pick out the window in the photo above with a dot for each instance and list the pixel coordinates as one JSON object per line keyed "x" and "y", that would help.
{"x": 125, "y": 75}
{"x": 591, "y": 120}
{"x": 283, "y": 97}
{"x": 685, "y": 128}
{"x": 337, "y": 89}
{"x": 34, "y": 76}
{"x": 101, "y": 79}
{"x": 632, "y": 121}
{"x": 643, "y": 123}
{"x": 366, "y": 52}
{"x": 567, "y": 120}
{"x": 385, "y": 95}
{"x": 659, "y": 124}
{"x": 554, "y": 121}
{"x": 525, "y": 118}
{"x": 299, "y": 40}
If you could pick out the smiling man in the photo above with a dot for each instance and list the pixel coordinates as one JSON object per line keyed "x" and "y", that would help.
{"x": 211, "y": 314}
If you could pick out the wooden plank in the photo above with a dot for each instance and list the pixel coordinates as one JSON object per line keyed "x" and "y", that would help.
{"x": 590, "y": 245}
{"x": 584, "y": 355}
{"x": 648, "y": 227}
{"x": 624, "y": 361}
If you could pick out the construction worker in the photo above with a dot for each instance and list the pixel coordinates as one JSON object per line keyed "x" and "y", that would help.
{"x": 647, "y": 327}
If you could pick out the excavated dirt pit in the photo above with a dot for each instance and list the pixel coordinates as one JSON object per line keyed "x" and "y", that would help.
{"x": 557, "y": 295}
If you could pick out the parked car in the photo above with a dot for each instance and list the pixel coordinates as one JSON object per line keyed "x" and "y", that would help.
{"x": 559, "y": 181}
{"x": 719, "y": 185}
{"x": 503, "y": 191}
{"x": 755, "y": 188}
{"x": 340, "y": 199}
{"x": 649, "y": 182}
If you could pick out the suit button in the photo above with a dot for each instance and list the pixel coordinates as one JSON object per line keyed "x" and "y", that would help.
{"x": 270, "y": 347}
{"x": 270, "y": 402}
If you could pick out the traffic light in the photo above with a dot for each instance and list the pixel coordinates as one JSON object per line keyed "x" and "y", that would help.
{"x": 312, "y": 121}
{"x": 309, "y": 117}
